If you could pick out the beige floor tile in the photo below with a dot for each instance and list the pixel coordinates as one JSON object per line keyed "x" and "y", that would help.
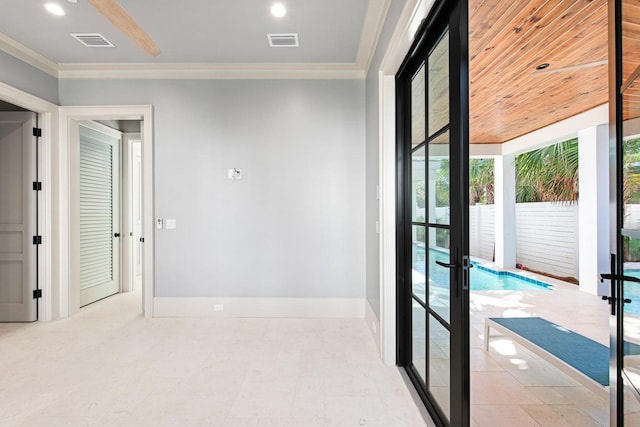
{"x": 501, "y": 416}
{"x": 559, "y": 416}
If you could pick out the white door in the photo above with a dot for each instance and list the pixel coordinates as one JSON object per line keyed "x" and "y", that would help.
{"x": 17, "y": 217}
{"x": 137, "y": 211}
{"x": 99, "y": 215}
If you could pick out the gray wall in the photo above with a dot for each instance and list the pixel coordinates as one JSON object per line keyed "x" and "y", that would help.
{"x": 293, "y": 226}
{"x": 372, "y": 157}
{"x": 29, "y": 79}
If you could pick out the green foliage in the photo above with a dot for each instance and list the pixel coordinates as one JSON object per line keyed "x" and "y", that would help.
{"x": 481, "y": 179}
{"x": 548, "y": 174}
{"x": 443, "y": 184}
{"x": 631, "y": 171}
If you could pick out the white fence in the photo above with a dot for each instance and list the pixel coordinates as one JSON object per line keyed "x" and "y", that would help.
{"x": 482, "y": 231}
{"x": 546, "y": 236}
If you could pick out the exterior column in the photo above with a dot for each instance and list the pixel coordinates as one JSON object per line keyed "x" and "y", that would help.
{"x": 593, "y": 206}
{"x": 505, "y": 211}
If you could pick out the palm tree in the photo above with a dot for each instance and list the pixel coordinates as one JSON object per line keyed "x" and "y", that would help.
{"x": 481, "y": 181}
{"x": 548, "y": 174}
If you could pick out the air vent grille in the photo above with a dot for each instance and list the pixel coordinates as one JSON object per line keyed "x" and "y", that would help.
{"x": 92, "y": 40}
{"x": 283, "y": 40}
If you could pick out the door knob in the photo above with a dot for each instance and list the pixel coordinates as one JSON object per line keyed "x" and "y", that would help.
{"x": 116, "y": 235}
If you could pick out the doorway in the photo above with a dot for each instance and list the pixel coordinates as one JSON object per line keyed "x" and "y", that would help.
{"x": 432, "y": 246}
{"x": 19, "y": 196}
{"x": 144, "y": 240}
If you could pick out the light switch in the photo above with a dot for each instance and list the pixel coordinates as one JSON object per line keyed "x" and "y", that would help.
{"x": 171, "y": 224}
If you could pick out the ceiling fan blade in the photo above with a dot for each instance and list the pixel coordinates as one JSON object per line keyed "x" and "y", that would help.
{"x": 114, "y": 12}
{"x": 570, "y": 67}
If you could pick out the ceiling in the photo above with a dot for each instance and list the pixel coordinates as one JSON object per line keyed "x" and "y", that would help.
{"x": 507, "y": 40}
{"x": 199, "y": 31}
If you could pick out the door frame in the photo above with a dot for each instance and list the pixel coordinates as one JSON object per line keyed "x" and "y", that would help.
{"x": 48, "y": 221}
{"x": 81, "y": 113}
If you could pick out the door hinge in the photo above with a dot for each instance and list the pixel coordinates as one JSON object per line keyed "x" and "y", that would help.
{"x": 142, "y": 240}
{"x": 37, "y": 293}
{"x": 37, "y": 240}
{"x": 37, "y": 186}
{"x": 37, "y": 132}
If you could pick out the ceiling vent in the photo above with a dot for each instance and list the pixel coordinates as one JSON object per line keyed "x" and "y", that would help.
{"x": 92, "y": 40}
{"x": 283, "y": 40}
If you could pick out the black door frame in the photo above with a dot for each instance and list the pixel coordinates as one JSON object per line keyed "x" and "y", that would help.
{"x": 454, "y": 15}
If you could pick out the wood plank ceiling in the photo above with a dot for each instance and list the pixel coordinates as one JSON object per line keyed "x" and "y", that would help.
{"x": 631, "y": 59}
{"x": 508, "y": 39}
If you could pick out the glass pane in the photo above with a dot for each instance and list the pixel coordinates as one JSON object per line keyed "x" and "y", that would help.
{"x": 630, "y": 39}
{"x": 439, "y": 85}
{"x": 632, "y": 311}
{"x": 439, "y": 366}
{"x": 419, "y": 340}
{"x": 631, "y": 182}
{"x": 419, "y": 262}
{"x": 417, "y": 108}
{"x": 439, "y": 198}
{"x": 439, "y": 276}
{"x": 417, "y": 185}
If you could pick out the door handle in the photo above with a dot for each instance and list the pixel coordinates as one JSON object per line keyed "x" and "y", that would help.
{"x": 116, "y": 235}
{"x": 444, "y": 264}
{"x": 619, "y": 277}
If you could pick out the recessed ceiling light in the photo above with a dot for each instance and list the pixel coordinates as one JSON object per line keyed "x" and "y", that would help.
{"x": 542, "y": 66}
{"x": 278, "y": 10}
{"x": 54, "y": 9}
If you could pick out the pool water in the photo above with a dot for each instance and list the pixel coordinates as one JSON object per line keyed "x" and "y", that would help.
{"x": 482, "y": 279}
{"x": 632, "y": 291}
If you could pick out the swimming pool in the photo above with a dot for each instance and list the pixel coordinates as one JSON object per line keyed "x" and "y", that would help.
{"x": 482, "y": 278}
{"x": 632, "y": 291}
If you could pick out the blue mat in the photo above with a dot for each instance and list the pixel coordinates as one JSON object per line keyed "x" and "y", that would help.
{"x": 587, "y": 356}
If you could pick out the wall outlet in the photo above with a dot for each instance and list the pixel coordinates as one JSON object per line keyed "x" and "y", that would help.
{"x": 218, "y": 307}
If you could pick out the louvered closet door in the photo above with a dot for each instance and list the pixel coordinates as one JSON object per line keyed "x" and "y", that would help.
{"x": 99, "y": 216}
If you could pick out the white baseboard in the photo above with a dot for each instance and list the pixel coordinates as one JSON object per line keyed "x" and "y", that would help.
{"x": 373, "y": 323}
{"x": 260, "y": 307}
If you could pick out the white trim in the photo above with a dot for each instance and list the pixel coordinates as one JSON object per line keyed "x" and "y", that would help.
{"x": 145, "y": 113}
{"x": 387, "y": 209}
{"x": 373, "y": 323}
{"x": 371, "y": 30}
{"x": 557, "y": 132}
{"x": 412, "y": 15}
{"x": 260, "y": 307}
{"x": 24, "y": 54}
{"x": 186, "y": 71}
{"x": 49, "y": 277}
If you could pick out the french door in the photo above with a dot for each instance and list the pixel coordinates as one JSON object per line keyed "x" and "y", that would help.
{"x": 624, "y": 21}
{"x": 433, "y": 246}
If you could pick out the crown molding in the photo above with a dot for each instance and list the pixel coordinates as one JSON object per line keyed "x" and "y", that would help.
{"x": 371, "y": 30}
{"x": 24, "y": 54}
{"x": 165, "y": 71}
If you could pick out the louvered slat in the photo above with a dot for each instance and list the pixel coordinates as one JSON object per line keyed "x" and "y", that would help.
{"x": 96, "y": 207}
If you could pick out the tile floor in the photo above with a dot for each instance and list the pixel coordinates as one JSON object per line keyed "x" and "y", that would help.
{"x": 108, "y": 366}
{"x": 512, "y": 387}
